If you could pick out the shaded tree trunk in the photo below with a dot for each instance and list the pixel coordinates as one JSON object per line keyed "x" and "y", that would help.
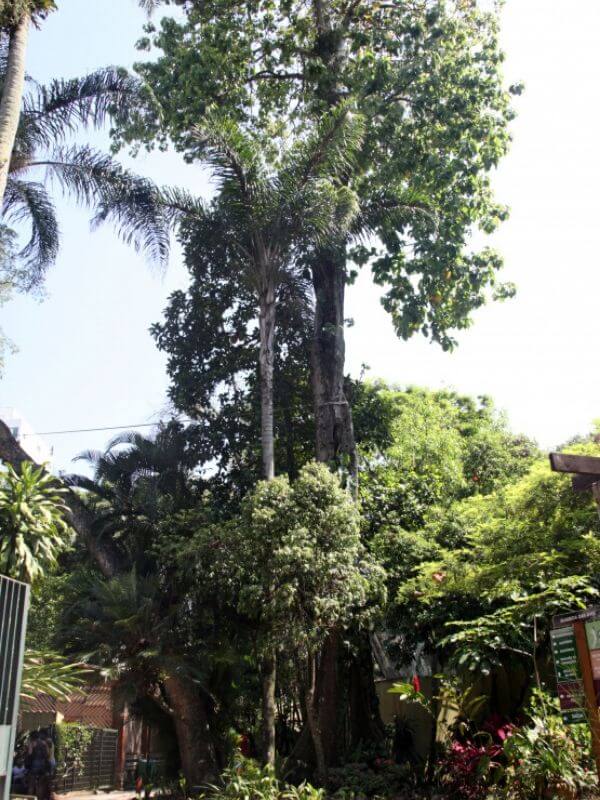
{"x": 335, "y": 443}
{"x": 194, "y": 737}
{"x": 12, "y": 96}
{"x": 266, "y": 321}
{"x": 269, "y": 707}
{"x": 103, "y": 553}
{"x": 314, "y": 721}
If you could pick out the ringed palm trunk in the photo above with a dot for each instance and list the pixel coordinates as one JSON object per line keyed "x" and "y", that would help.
{"x": 266, "y": 365}
{"x": 12, "y": 96}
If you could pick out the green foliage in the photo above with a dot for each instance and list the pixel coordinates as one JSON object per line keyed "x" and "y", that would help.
{"x": 72, "y": 743}
{"x": 301, "y": 567}
{"x": 51, "y": 674}
{"x": 547, "y": 758}
{"x": 11, "y": 11}
{"x": 245, "y": 779}
{"x": 33, "y": 530}
{"x": 383, "y": 778}
{"x": 427, "y": 80}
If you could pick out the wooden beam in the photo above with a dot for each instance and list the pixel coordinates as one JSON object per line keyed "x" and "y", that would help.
{"x": 583, "y": 483}
{"x": 580, "y": 465}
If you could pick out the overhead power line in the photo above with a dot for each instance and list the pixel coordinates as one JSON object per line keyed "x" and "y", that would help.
{"x": 104, "y": 428}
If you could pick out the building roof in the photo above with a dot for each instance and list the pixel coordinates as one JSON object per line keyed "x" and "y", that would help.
{"x": 91, "y": 706}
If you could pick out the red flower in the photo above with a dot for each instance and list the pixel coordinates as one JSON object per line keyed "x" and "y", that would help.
{"x": 416, "y": 683}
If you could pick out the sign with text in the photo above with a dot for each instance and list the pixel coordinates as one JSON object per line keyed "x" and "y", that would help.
{"x": 568, "y": 676}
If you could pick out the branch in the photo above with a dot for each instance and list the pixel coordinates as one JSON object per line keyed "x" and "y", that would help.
{"x": 267, "y": 74}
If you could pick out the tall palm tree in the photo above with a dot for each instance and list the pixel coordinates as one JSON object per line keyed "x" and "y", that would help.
{"x": 276, "y": 206}
{"x": 16, "y": 17}
{"x": 275, "y": 212}
{"x": 41, "y": 158}
{"x": 136, "y": 481}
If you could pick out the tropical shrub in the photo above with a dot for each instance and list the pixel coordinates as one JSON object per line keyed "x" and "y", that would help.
{"x": 33, "y": 530}
{"x": 546, "y": 758}
{"x": 246, "y": 779}
{"x": 72, "y": 742}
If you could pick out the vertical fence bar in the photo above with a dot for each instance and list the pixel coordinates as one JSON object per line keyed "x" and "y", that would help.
{"x": 14, "y": 604}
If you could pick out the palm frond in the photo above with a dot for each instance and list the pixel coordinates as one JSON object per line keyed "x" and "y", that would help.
{"x": 233, "y": 155}
{"x": 53, "y": 112}
{"x": 133, "y": 204}
{"x": 26, "y": 201}
{"x": 51, "y": 674}
{"x": 330, "y": 149}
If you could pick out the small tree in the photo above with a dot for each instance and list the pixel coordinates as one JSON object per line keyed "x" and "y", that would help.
{"x": 32, "y": 526}
{"x": 302, "y": 572}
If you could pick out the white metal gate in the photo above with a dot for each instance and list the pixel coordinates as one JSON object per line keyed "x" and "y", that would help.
{"x": 14, "y": 604}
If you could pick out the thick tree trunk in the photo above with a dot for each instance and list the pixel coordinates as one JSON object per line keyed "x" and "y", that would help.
{"x": 347, "y": 698}
{"x": 266, "y": 321}
{"x": 194, "y": 738}
{"x": 80, "y": 518}
{"x": 269, "y": 707}
{"x": 12, "y": 96}
{"x": 334, "y": 430}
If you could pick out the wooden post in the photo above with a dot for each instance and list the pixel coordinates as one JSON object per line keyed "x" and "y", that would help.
{"x": 591, "y": 702}
{"x": 121, "y": 721}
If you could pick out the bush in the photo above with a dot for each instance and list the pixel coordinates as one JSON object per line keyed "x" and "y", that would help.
{"x": 72, "y": 742}
{"x": 546, "y": 758}
{"x": 382, "y": 778}
{"x": 245, "y": 779}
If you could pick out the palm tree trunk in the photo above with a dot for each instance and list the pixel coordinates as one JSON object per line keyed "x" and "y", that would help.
{"x": 12, "y": 96}
{"x": 194, "y": 737}
{"x": 266, "y": 363}
{"x": 269, "y": 707}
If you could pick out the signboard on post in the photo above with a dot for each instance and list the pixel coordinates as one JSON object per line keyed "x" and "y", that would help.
{"x": 575, "y": 641}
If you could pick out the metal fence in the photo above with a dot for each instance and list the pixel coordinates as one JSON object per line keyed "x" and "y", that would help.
{"x": 98, "y": 768}
{"x": 14, "y": 603}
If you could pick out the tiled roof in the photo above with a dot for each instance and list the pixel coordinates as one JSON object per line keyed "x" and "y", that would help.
{"x": 40, "y": 704}
{"x": 92, "y": 706}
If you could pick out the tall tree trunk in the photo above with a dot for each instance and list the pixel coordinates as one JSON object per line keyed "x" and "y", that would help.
{"x": 12, "y": 96}
{"x": 314, "y": 722}
{"x": 266, "y": 321}
{"x": 269, "y": 707}
{"x": 334, "y": 429}
{"x": 194, "y": 737}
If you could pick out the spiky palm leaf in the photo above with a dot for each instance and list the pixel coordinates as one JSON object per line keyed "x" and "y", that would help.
{"x": 136, "y": 208}
{"x": 51, "y": 674}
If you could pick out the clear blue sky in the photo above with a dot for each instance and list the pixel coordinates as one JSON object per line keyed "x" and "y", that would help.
{"x": 85, "y": 356}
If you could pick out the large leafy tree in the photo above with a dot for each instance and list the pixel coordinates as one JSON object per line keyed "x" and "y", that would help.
{"x": 427, "y": 78}
{"x": 302, "y": 572}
